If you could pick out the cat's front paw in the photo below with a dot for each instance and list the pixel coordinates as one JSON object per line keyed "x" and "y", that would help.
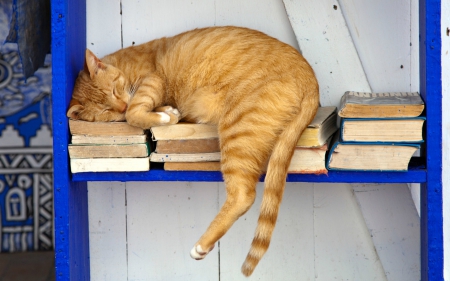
{"x": 198, "y": 253}
{"x": 169, "y": 115}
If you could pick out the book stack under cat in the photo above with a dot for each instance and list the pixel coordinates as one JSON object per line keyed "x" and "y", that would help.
{"x": 195, "y": 147}
{"x": 186, "y": 147}
{"x": 378, "y": 131}
{"x": 107, "y": 147}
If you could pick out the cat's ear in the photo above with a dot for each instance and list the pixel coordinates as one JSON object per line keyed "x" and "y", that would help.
{"x": 92, "y": 64}
{"x": 74, "y": 109}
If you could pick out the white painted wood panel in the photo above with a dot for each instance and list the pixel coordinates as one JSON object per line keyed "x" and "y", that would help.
{"x": 381, "y": 33}
{"x": 161, "y": 252}
{"x": 415, "y": 43}
{"x": 415, "y": 194}
{"x": 394, "y": 226}
{"x": 103, "y": 26}
{"x": 147, "y": 20}
{"x": 343, "y": 247}
{"x": 291, "y": 252}
{"x": 269, "y": 17}
{"x": 326, "y": 43}
{"x": 164, "y": 220}
{"x": 107, "y": 210}
{"x": 107, "y": 231}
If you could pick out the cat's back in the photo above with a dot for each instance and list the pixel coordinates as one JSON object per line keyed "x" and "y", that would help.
{"x": 222, "y": 55}
{"x": 232, "y": 36}
{"x": 230, "y": 41}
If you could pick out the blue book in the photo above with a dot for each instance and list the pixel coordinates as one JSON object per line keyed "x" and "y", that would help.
{"x": 370, "y": 156}
{"x": 390, "y": 130}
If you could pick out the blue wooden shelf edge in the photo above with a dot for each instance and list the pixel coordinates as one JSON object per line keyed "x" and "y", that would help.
{"x": 70, "y": 195}
{"x": 68, "y": 28}
{"x": 412, "y": 176}
{"x": 431, "y": 216}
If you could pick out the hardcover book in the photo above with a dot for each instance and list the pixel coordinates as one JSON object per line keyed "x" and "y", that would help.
{"x": 107, "y": 147}
{"x": 309, "y": 160}
{"x": 109, "y": 150}
{"x": 184, "y": 131}
{"x": 320, "y": 129}
{"x": 315, "y": 135}
{"x": 304, "y": 161}
{"x": 192, "y": 157}
{"x": 79, "y": 127}
{"x": 382, "y": 130}
{"x": 92, "y": 139}
{"x": 370, "y": 156}
{"x": 109, "y": 165}
{"x": 192, "y": 166}
{"x": 380, "y": 105}
{"x": 188, "y": 146}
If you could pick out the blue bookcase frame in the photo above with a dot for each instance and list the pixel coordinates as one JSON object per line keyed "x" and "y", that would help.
{"x": 70, "y": 191}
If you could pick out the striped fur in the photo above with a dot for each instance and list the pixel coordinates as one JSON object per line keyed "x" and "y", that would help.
{"x": 260, "y": 92}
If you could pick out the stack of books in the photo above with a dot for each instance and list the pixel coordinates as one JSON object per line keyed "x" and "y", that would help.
{"x": 107, "y": 147}
{"x": 378, "y": 131}
{"x": 186, "y": 147}
{"x": 309, "y": 155}
{"x": 195, "y": 147}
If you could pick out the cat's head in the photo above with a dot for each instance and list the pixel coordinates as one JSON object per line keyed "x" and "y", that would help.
{"x": 100, "y": 92}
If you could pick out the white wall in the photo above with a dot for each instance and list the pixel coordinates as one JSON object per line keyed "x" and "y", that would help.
{"x": 143, "y": 231}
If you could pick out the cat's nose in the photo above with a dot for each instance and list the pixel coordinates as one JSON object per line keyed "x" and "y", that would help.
{"x": 124, "y": 108}
{"x": 121, "y": 106}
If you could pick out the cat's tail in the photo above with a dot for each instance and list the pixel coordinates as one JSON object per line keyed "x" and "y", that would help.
{"x": 275, "y": 181}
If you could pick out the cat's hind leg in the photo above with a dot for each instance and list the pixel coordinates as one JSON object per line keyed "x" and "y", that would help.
{"x": 244, "y": 154}
{"x": 240, "y": 197}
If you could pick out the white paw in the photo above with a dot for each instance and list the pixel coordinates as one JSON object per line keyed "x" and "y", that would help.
{"x": 172, "y": 110}
{"x": 198, "y": 253}
{"x": 165, "y": 118}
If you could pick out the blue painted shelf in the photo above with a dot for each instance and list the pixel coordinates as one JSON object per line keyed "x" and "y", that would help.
{"x": 70, "y": 191}
{"x": 415, "y": 174}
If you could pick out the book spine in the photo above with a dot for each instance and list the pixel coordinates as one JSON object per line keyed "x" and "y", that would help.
{"x": 109, "y": 151}
{"x": 200, "y": 157}
{"x": 336, "y": 142}
{"x": 344, "y": 120}
{"x": 109, "y": 165}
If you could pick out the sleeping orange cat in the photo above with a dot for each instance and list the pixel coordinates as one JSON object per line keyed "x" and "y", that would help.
{"x": 260, "y": 92}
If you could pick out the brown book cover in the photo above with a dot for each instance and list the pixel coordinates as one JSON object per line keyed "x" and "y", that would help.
{"x": 188, "y": 157}
{"x": 125, "y": 139}
{"x": 188, "y": 146}
{"x": 304, "y": 161}
{"x": 183, "y": 131}
{"x": 380, "y": 105}
{"x": 192, "y": 166}
{"x": 109, "y": 150}
{"x": 78, "y": 127}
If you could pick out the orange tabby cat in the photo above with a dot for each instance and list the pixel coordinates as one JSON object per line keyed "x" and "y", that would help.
{"x": 260, "y": 92}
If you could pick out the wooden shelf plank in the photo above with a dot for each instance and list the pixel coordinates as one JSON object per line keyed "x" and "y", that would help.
{"x": 414, "y": 175}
